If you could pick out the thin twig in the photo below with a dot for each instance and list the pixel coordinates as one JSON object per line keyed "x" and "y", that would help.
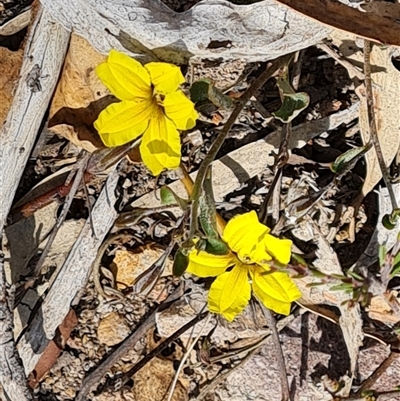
{"x": 183, "y": 360}
{"x": 281, "y": 160}
{"x": 279, "y": 353}
{"x": 251, "y": 351}
{"x": 12, "y": 375}
{"x": 382, "y": 368}
{"x": 296, "y": 73}
{"x": 94, "y": 378}
{"x": 75, "y": 185}
{"x": 256, "y": 85}
{"x": 372, "y": 122}
{"x": 160, "y": 347}
{"x": 330, "y": 51}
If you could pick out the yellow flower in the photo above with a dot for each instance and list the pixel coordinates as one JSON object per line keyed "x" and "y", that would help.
{"x": 251, "y": 248}
{"x": 151, "y": 104}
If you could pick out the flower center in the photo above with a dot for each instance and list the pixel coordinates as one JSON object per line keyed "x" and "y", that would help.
{"x": 245, "y": 259}
{"x": 159, "y": 99}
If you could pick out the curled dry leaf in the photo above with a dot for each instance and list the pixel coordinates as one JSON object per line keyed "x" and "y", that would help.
{"x": 380, "y": 310}
{"x": 53, "y": 349}
{"x": 128, "y": 265}
{"x": 112, "y": 329}
{"x": 152, "y": 382}
{"x": 10, "y": 65}
{"x": 79, "y": 96}
{"x": 386, "y": 87}
{"x": 350, "y": 320}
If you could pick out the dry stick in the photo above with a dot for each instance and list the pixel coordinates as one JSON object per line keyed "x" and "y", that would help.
{"x": 253, "y": 350}
{"x": 367, "y": 385}
{"x": 183, "y": 360}
{"x": 282, "y": 158}
{"x": 92, "y": 381}
{"x": 377, "y": 396}
{"x": 330, "y": 51}
{"x": 160, "y": 347}
{"x": 298, "y": 62}
{"x": 12, "y": 375}
{"x": 77, "y": 180}
{"x": 256, "y": 85}
{"x": 372, "y": 123}
{"x": 279, "y": 353}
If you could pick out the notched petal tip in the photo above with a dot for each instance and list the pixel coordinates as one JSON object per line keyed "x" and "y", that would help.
{"x": 180, "y": 110}
{"x": 125, "y": 77}
{"x": 165, "y": 77}
{"x": 230, "y": 293}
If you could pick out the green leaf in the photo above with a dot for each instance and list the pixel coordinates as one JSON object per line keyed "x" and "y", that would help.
{"x": 169, "y": 197}
{"x": 181, "y": 262}
{"x": 346, "y": 161}
{"x": 342, "y": 287}
{"x": 390, "y": 221}
{"x": 396, "y": 265}
{"x": 292, "y": 103}
{"x": 204, "y": 89}
{"x": 208, "y": 212}
{"x": 382, "y": 254}
{"x": 216, "y": 246}
{"x": 355, "y": 275}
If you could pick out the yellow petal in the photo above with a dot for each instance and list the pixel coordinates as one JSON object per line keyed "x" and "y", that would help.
{"x": 161, "y": 144}
{"x": 165, "y": 77}
{"x": 275, "y": 290}
{"x": 120, "y": 123}
{"x": 279, "y": 249}
{"x": 244, "y": 235}
{"x": 230, "y": 292}
{"x": 180, "y": 110}
{"x": 125, "y": 77}
{"x": 204, "y": 264}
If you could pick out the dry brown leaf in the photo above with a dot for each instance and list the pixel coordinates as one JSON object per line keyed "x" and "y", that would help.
{"x": 10, "y": 65}
{"x": 152, "y": 382}
{"x": 53, "y": 350}
{"x": 380, "y": 310}
{"x": 386, "y": 87}
{"x": 350, "y": 320}
{"x": 128, "y": 265}
{"x": 112, "y": 329}
{"x": 338, "y": 15}
{"x": 79, "y": 96}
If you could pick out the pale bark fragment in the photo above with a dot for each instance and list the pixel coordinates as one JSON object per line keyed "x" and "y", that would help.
{"x": 71, "y": 278}
{"x": 43, "y": 58}
{"x": 12, "y": 376}
{"x": 211, "y": 29}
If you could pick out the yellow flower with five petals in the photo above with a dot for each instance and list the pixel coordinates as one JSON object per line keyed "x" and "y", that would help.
{"x": 151, "y": 104}
{"x": 245, "y": 268}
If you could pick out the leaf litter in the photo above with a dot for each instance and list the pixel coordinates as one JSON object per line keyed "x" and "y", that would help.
{"x": 322, "y": 361}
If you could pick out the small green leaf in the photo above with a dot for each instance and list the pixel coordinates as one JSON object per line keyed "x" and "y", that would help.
{"x": 396, "y": 265}
{"x": 382, "y": 254}
{"x": 292, "y": 103}
{"x": 347, "y": 160}
{"x": 204, "y": 89}
{"x": 390, "y": 221}
{"x": 355, "y": 275}
{"x": 342, "y": 287}
{"x": 169, "y": 197}
{"x": 181, "y": 262}
{"x": 216, "y": 246}
{"x": 208, "y": 212}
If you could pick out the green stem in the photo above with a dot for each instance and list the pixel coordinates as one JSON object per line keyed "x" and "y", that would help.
{"x": 256, "y": 85}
